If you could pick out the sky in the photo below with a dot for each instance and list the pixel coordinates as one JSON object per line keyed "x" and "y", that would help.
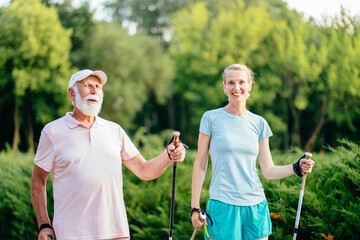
{"x": 314, "y": 8}
{"x": 318, "y": 8}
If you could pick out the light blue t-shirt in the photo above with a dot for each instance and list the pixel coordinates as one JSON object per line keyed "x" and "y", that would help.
{"x": 234, "y": 147}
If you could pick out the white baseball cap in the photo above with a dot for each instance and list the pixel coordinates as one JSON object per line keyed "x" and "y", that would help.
{"x": 82, "y": 74}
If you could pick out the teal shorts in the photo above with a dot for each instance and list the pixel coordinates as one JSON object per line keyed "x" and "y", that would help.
{"x": 237, "y": 222}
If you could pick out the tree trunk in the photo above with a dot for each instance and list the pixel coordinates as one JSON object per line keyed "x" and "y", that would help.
{"x": 181, "y": 114}
{"x": 16, "y": 137}
{"x": 30, "y": 139}
{"x": 170, "y": 108}
{"x": 320, "y": 120}
{"x": 297, "y": 130}
{"x": 286, "y": 135}
{"x": 296, "y": 116}
{"x": 29, "y": 131}
{"x": 290, "y": 89}
{"x": 309, "y": 146}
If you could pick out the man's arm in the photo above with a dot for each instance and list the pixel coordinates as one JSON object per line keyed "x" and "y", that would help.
{"x": 148, "y": 170}
{"x": 39, "y": 198}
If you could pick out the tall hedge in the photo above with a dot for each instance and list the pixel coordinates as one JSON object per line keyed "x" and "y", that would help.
{"x": 17, "y": 217}
{"x": 330, "y": 207}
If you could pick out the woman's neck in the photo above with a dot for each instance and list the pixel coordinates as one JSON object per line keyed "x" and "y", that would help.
{"x": 236, "y": 109}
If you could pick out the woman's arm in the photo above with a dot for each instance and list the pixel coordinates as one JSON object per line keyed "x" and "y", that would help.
{"x": 200, "y": 166}
{"x": 278, "y": 172}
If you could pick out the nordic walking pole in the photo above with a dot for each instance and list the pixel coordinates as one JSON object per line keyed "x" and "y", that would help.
{"x": 172, "y": 205}
{"x": 307, "y": 156}
{"x": 202, "y": 216}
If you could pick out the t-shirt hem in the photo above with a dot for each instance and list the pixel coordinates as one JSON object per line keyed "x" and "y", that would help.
{"x": 239, "y": 203}
{"x": 266, "y": 136}
{"x": 95, "y": 237}
{"x": 42, "y": 167}
{"x": 131, "y": 156}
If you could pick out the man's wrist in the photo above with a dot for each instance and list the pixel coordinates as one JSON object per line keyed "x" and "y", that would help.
{"x": 167, "y": 151}
{"x": 45, "y": 225}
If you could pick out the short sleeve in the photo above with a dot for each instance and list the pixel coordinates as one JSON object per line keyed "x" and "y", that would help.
{"x": 205, "y": 124}
{"x": 265, "y": 130}
{"x": 128, "y": 149}
{"x": 45, "y": 153}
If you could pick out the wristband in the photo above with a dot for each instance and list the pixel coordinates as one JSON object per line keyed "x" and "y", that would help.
{"x": 194, "y": 209}
{"x": 202, "y": 212}
{"x": 45, "y": 225}
{"x": 296, "y": 167}
{"x": 168, "y": 153}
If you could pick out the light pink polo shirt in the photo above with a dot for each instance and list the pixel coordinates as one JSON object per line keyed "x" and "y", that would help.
{"x": 86, "y": 167}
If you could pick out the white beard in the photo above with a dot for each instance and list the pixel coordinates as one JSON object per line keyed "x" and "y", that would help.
{"x": 88, "y": 109}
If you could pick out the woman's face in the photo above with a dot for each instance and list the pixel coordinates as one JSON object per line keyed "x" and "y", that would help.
{"x": 237, "y": 85}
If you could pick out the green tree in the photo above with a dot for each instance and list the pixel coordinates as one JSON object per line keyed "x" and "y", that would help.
{"x": 296, "y": 63}
{"x": 300, "y": 68}
{"x": 318, "y": 72}
{"x": 203, "y": 44}
{"x": 153, "y": 16}
{"x": 79, "y": 20}
{"x": 34, "y": 67}
{"x": 339, "y": 101}
{"x": 138, "y": 71}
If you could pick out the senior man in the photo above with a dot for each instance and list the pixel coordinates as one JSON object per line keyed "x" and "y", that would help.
{"x": 85, "y": 154}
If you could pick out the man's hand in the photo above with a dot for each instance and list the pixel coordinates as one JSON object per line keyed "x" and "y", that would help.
{"x": 176, "y": 154}
{"x": 45, "y": 233}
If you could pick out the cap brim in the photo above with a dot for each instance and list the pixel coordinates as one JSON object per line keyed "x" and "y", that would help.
{"x": 101, "y": 75}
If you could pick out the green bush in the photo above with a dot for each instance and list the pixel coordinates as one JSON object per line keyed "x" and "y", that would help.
{"x": 330, "y": 207}
{"x": 17, "y": 218}
{"x": 331, "y": 197}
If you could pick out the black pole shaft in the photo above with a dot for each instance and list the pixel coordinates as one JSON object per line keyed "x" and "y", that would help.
{"x": 172, "y": 205}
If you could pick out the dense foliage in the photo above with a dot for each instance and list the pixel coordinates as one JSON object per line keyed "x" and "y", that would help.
{"x": 330, "y": 208}
{"x": 164, "y": 61}
{"x": 34, "y": 66}
{"x": 303, "y": 71}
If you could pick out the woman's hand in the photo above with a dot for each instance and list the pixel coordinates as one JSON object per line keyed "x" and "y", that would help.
{"x": 197, "y": 221}
{"x": 306, "y": 166}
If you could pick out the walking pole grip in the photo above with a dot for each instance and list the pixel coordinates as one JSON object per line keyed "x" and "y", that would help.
{"x": 307, "y": 156}
{"x": 176, "y": 138}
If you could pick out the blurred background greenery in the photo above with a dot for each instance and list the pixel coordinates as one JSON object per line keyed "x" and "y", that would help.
{"x": 165, "y": 71}
{"x": 164, "y": 60}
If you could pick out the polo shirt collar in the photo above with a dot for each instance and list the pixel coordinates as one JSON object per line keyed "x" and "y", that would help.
{"x": 73, "y": 123}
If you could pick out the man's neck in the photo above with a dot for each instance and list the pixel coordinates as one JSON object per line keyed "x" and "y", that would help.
{"x": 85, "y": 120}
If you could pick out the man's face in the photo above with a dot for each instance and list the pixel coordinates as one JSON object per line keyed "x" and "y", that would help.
{"x": 88, "y": 96}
